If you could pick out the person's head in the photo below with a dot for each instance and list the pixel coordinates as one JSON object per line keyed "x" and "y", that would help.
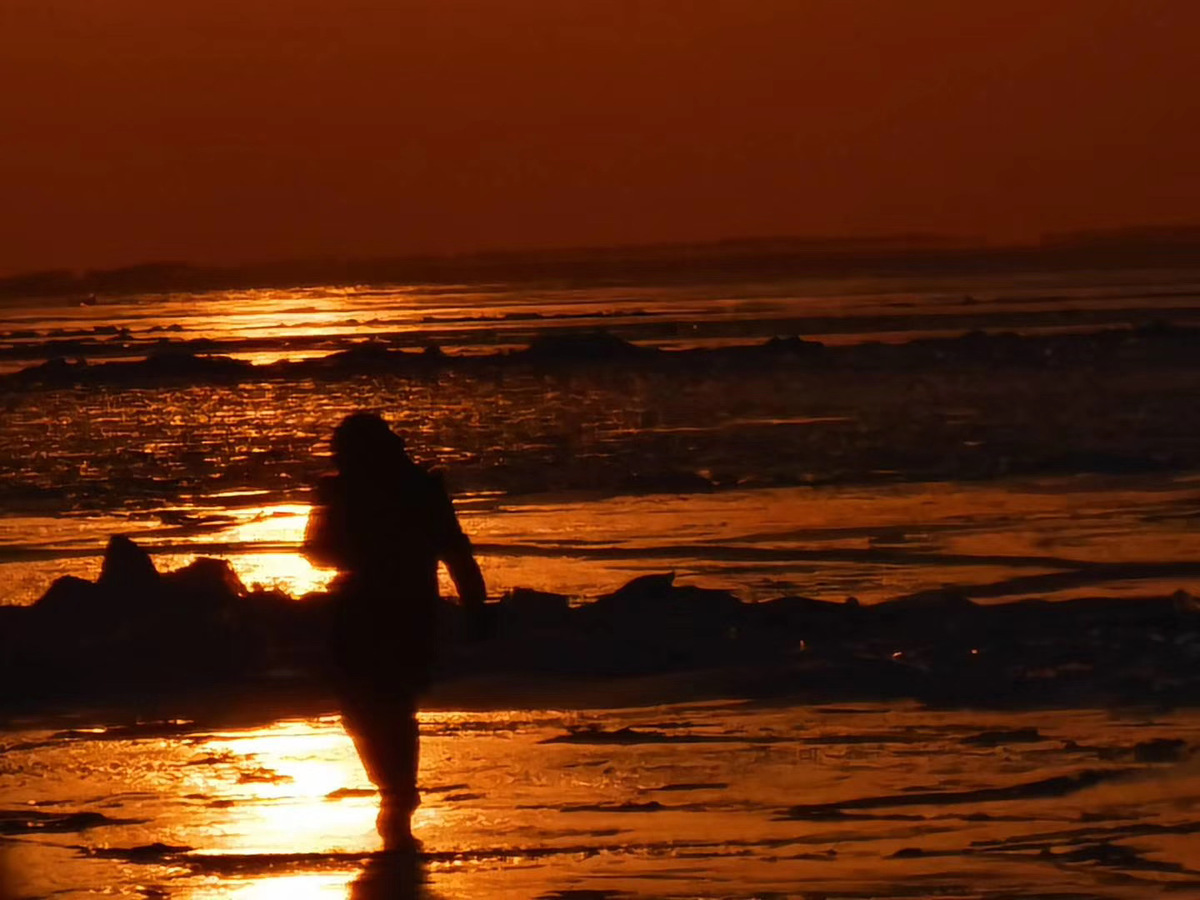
{"x": 364, "y": 442}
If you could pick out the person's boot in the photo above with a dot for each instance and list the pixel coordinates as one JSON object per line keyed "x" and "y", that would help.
{"x": 394, "y": 823}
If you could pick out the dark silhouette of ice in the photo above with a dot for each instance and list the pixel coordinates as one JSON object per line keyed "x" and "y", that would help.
{"x": 204, "y": 361}
{"x": 198, "y": 631}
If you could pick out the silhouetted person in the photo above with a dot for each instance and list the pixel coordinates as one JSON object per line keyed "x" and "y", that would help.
{"x": 385, "y": 522}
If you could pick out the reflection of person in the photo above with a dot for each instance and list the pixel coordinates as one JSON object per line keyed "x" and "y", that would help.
{"x": 390, "y": 876}
{"x": 385, "y": 522}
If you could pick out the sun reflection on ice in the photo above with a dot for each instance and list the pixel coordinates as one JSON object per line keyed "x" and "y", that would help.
{"x": 287, "y": 572}
{"x": 275, "y": 523}
{"x": 292, "y": 887}
{"x": 289, "y": 787}
{"x": 272, "y": 536}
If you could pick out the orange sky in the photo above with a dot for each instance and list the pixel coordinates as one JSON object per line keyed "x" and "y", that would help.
{"x": 230, "y": 130}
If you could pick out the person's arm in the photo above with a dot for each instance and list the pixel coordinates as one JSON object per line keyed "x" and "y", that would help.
{"x": 455, "y": 551}
{"x": 465, "y": 573}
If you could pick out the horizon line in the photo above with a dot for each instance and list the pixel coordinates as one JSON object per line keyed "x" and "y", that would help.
{"x": 809, "y": 248}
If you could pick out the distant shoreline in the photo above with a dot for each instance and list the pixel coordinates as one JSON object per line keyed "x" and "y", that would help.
{"x": 735, "y": 259}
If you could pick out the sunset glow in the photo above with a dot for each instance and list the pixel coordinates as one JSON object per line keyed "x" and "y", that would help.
{"x": 534, "y": 123}
{"x": 599, "y": 449}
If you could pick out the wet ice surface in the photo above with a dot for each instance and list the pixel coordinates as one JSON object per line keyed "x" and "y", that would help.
{"x": 777, "y": 481}
{"x": 874, "y": 542}
{"x": 766, "y": 479}
{"x": 712, "y": 800}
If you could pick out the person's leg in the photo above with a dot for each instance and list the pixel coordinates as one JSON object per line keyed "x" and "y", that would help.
{"x": 398, "y": 794}
{"x": 386, "y": 736}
